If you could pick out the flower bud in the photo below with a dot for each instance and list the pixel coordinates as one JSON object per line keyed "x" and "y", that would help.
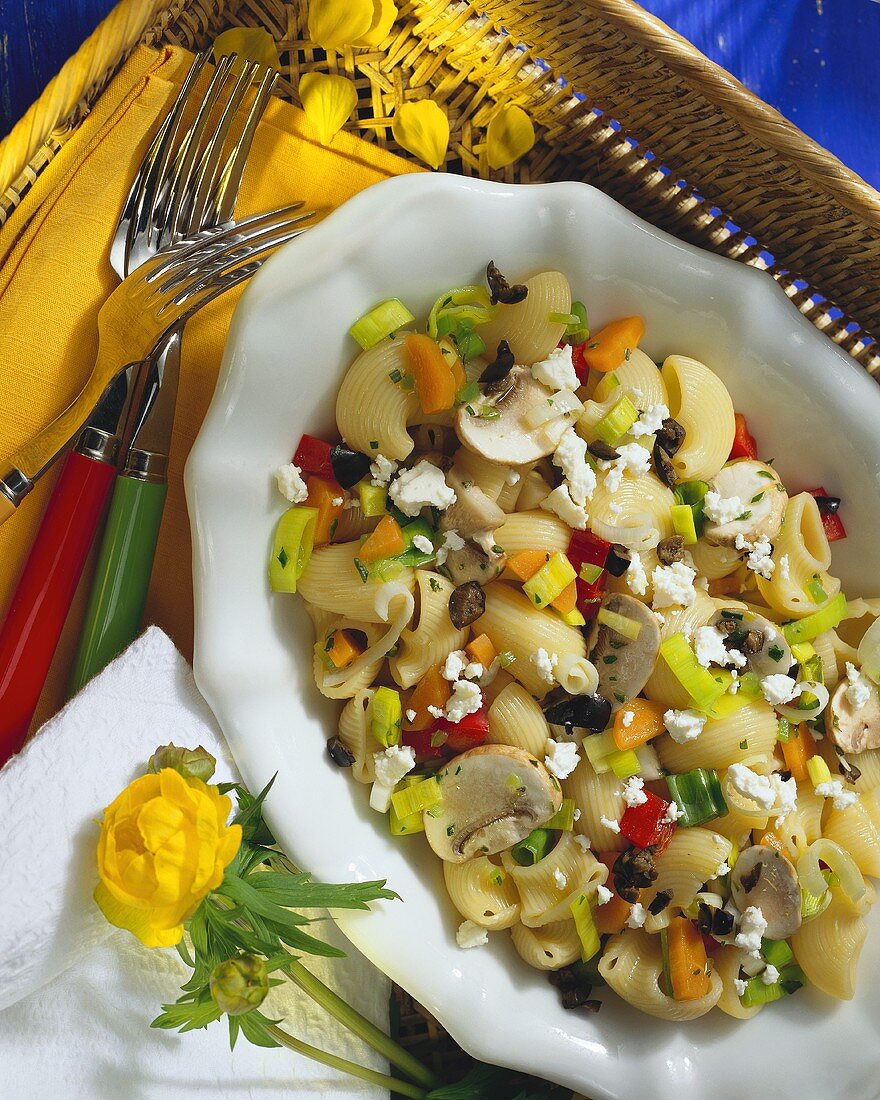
{"x": 239, "y": 985}
{"x": 190, "y": 763}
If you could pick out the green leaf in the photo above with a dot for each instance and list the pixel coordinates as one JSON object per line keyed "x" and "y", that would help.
{"x": 253, "y": 1025}
{"x": 299, "y": 891}
{"x": 187, "y": 1017}
{"x": 234, "y": 1028}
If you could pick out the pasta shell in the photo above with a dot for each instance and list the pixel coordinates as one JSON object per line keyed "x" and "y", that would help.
{"x": 509, "y": 136}
{"x": 337, "y": 23}
{"x": 422, "y": 129}
{"x": 328, "y": 102}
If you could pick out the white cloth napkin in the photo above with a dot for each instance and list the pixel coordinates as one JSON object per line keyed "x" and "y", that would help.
{"x": 77, "y": 996}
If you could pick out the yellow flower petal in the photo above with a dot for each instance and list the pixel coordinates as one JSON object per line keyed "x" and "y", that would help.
{"x": 251, "y": 43}
{"x": 509, "y": 136}
{"x": 422, "y": 128}
{"x": 384, "y": 14}
{"x": 140, "y": 922}
{"x": 337, "y": 23}
{"x": 328, "y": 102}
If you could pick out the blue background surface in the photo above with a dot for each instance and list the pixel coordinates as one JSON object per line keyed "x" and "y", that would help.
{"x": 814, "y": 60}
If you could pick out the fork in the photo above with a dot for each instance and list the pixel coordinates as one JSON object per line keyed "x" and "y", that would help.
{"x": 147, "y": 309}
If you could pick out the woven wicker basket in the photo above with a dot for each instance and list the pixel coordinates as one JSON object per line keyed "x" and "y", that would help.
{"x": 619, "y": 100}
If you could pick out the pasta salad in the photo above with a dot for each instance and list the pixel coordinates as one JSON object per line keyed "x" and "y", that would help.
{"x": 588, "y": 646}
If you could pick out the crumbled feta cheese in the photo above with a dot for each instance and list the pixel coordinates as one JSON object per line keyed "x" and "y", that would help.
{"x": 337, "y": 502}
{"x": 420, "y": 487}
{"x": 391, "y": 766}
{"x": 769, "y": 975}
{"x": 672, "y": 814}
{"x": 786, "y": 796}
{"x": 784, "y": 568}
{"x": 603, "y": 895}
{"x": 637, "y": 915}
{"x": 650, "y": 421}
{"x": 613, "y": 477}
{"x": 577, "y": 814}
{"x": 382, "y": 470}
{"x": 709, "y": 647}
{"x": 760, "y": 560}
{"x": 835, "y": 789}
{"x": 684, "y": 725}
{"x": 513, "y": 477}
{"x": 723, "y": 869}
{"x": 471, "y": 935}
{"x": 767, "y": 791}
{"x": 627, "y": 718}
{"x": 290, "y": 483}
{"x": 545, "y": 663}
{"x": 740, "y": 986}
{"x": 582, "y": 841}
{"x": 661, "y": 619}
{"x": 633, "y": 792}
{"x": 858, "y": 691}
{"x": 560, "y": 502}
{"x": 411, "y": 715}
{"x": 562, "y": 757}
{"x": 614, "y": 826}
{"x": 423, "y": 544}
{"x": 673, "y": 585}
{"x": 435, "y": 712}
{"x": 466, "y": 699}
{"x": 752, "y": 928}
{"x": 633, "y": 459}
{"x": 559, "y": 878}
{"x": 636, "y": 577}
{"x": 473, "y": 671}
{"x": 571, "y": 457}
{"x": 454, "y": 665}
{"x": 452, "y": 540}
{"x": 557, "y": 370}
{"x": 779, "y": 689}
{"x": 721, "y": 509}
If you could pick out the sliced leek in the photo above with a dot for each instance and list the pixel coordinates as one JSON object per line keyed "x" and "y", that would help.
{"x": 383, "y": 320}
{"x": 292, "y": 548}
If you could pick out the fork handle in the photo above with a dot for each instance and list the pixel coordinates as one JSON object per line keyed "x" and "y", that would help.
{"x": 45, "y": 590}
{"x": 122, "y": 576}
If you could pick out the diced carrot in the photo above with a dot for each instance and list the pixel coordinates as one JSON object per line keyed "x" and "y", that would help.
{"x": 525, "y": 563}
{"x": 481, "y": 650}
{"x": 386, "y": 541}
{"x": 607, "y": 348}
{"x": 322, "y": 495}
{"x": 567, "y": 599}
{"x": 688, "y": 962}
{"x": 797, "y": 751}
{"x": 343, "y": 648}
{"x": 432, "y": 690}
{"x": 771, "y": 840}
{"x": 611, "y": 917}
{"x": 646, "y": 722}
{"x": 434, "y": 378}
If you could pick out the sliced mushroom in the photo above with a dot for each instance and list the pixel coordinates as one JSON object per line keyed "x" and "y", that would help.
{"x": 744, "y": 629}
{"x": 472, "y": 511}
{"x": 763, "y": 498}
{"x": 472, "y": 563}
{"x": 624, "y": 664}
{"x": 852, "y": 728}
{"x": 493, "y": 796}
{"x": 507, "y": 438}
{"x": 763, "y": 877}
{"x": 467, "y": 603}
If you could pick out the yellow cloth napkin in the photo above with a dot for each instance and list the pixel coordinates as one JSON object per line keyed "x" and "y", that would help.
{"x": 55, "y": 274}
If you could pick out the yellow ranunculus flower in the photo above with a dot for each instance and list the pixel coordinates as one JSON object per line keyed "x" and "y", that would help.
{"x": 164, "y": 846}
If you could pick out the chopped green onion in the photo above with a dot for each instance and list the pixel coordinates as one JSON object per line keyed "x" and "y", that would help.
{"x": 506, "y": 658}
{"x": 598, "y": 747}
{"x": 469, "y": 392}
{"x": 698, "y": 796}
{"x": 386, "y": 716}
{"x": 292, "y": 547}
{"x": 585, "y": 926}
{"x": 550, "y": 581}
{"x": 608, "y": 383}
{"x": 693, "y": 493}
{"x": 703, "y": 688}
{"x": 578, "y": 330}
{"x": 563, "y": 819}
{"x": 566, "y": 319}
{"x": 373, "y": 498}
{"x": 590, "y": 572}
{"x": 777, "y": 953}
{"x": 533, "y": 848}
{"x": 381, "y": 321}
{"x": 624, "y": 763}
{"x": 362, "y": 569}
{"x": 468, "y": 343}
{"x": 810, "y": 627}
{"x": 417, "y": 798}
{"x": 629, "y": 628}
{"x": 815, "y": 590}
{"x": 757, "y": 992}
{"x": 784, "y": 732}
{"x": 683, "y": 523}
{"x": 617, "y": 422}
{"x": 466, "y": 305}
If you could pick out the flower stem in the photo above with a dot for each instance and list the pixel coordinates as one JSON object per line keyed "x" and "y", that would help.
{"x": 403, "y": 1088}
{"x": 361, "y": 1026}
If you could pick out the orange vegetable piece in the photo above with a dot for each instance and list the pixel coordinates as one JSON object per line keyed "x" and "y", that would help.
{"x": 322, "y": 494}
{"x": 435, "y": 380}
{"x": 606, "y": 349}
{"x": 688, "y": 962}
{"x": 647, "y": 722}
{"x": 343, "y": 648}
{"x": 385, "y": 541}
{"x": 611, "y": 917}
{"x": 772, "y": 841}
{"x": 524, "y": 564}
{"x": 566, "y": 600}
{"x": 797, "y": 751}
{"x": 481, "y": 650}
{"x": 432, "y": 690}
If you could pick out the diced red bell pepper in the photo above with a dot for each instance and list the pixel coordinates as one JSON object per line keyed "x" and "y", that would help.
{"x": 579, "y": 363}
{"x": 420, "y": 742}
{"x": 589, "y": 597}
{"x": 744, "y": 445}
{"x": 644, "y": 825}
{"x": 313, "y": 457}
{"x": 470, "y": 732}
{"x": 584, "y": 546}
{"x": 833, "y": 524}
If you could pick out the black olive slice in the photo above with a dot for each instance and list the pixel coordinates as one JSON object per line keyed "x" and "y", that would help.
{"x": 501, "y": 290}
{"x": 828, "y": 506}
{"x": 663, "y": 466}
{"x": 619, "y": 560}
{"x": 671, "y": 550}
{"x": 500, "y": 366}
{"x": 600, "y": 449}
{"x": 349, "y": 467}
{"x": 671, "y": 436}
{"x": 589, "y": 712}
{"x": 339, "y": 754}
{"x": 466, "y": 604}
